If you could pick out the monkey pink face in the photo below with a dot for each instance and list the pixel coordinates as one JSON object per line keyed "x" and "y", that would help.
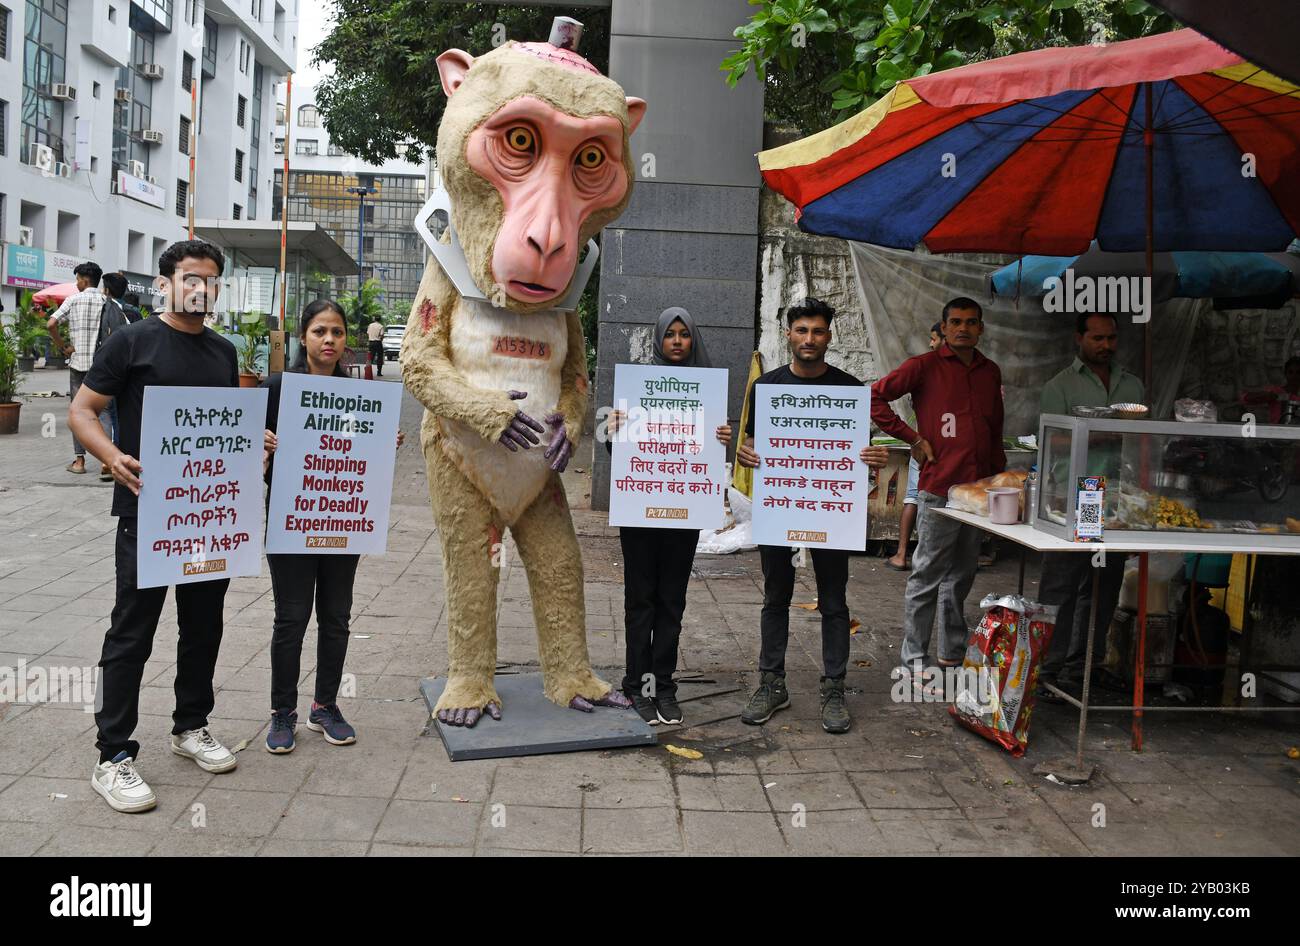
{"x": 553, "y": 171}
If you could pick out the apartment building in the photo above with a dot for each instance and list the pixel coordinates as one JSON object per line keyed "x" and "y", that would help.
{"x": 95, "y": 116}
{"x": 320, "y": 175}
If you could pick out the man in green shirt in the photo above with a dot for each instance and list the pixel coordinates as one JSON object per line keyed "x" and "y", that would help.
{"x": 1091, "y": 380}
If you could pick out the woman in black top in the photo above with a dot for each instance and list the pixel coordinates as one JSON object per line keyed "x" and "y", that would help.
{"x": 657, "y": 562}
{"x": 297, "y": 580}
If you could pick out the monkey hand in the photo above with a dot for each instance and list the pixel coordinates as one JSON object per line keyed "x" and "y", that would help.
{"x": 561, "y": 449}
{"x": 467, "y": 717}
{"x": 523, "y": 430}
{"x": 612, "y": 698}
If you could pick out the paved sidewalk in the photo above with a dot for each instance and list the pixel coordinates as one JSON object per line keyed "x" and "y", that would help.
{"x": 905, "y": 780}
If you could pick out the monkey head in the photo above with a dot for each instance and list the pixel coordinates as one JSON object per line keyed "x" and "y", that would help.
{"x": 533, "y": 150}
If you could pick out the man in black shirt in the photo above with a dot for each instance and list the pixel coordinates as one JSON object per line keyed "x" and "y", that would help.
{"x": 173, "y": 348}
{"x": 809, "y": 335}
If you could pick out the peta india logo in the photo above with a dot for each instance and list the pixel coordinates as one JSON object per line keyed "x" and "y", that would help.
{"x": 86, "y": 900}
{"x": 1099, "y": 295}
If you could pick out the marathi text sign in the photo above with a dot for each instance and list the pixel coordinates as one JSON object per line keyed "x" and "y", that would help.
{"x": 333, "y": 478}
{"x": 810, "y": 488}
{"x": 201, "y": 484}
{"x": 668, "y": 469}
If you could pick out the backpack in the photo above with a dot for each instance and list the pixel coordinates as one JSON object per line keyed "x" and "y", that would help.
{"x": 111, "y": 318}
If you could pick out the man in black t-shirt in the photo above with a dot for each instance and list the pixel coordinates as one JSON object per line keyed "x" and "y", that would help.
{"x": 173, "y": 348}
{"x": 809, "y": 335}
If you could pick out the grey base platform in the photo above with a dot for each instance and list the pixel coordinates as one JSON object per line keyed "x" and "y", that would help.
{"x": 531, "y": 724}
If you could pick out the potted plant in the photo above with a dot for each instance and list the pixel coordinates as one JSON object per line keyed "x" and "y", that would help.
{"x": 54, "y": 357}
{"x": 30, "y": 326}
{"x": 252, "y": 329}
{"x": 10, "y": 378}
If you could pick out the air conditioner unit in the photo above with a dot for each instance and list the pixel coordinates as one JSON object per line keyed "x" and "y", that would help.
{"x": 122, "y": 95}
{"x": 137, "y": 169}
{"x": 151, "y": 70}
{"x": 63, "y": 170}
{"x": 152, "y": 180}
{"x": 63, "y": 92}
{"x": 42, "y": 156}
{"x": 152, "y": 137}
{"x": 26, "y": 236}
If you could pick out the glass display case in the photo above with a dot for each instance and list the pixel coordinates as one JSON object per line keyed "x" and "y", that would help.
{"x": 1214, "y": 480}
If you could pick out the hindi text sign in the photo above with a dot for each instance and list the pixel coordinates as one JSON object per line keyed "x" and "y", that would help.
{"x": 668, "y": 469}
{"x": 810, "y": 488}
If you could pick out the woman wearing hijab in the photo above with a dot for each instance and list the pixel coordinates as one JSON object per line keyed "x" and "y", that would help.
{"x": 657, "y": 562}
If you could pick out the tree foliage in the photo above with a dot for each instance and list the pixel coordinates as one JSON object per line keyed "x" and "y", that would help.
{"x": 823, "y": 60}
{"x": 384, "y": 90}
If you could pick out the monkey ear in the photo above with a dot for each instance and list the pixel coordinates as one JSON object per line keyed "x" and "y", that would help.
{"x": 635, "y": 112}
{"x": 452, "y": 66}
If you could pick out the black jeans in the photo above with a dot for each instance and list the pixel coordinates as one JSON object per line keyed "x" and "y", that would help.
{"x": 129, "y": 642}
{"x": 1066, "y": 581}
{"x": 831, "y": 567}
{"x": 377, "y": 356}
{"x": 297, "y": 581}
{"x": 656, "y": 570}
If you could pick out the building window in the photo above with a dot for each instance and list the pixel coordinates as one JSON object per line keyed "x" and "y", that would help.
{"x": 244, "y": 50}
{"x": 278, "y": 29}
{"x": 187, "y": 71}
{"x": 240, "y": 110}
{"x": 4, "y": 33}
{"x": 308, "y": 116}
{"x": 306, "y": 146}
{"x": 4, "y": 127}
{"x": 183, "y": 138}
{"x": 335, "y": 151}
{"x": 209, "y": 46}
{"x": 239, "y": 166}
{"x": 44, "y": 63}
{"x": 182, "y": 197}
{"x": 236, "y": 212}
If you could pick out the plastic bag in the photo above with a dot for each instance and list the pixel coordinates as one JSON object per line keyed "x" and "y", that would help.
{"x": 736, "y": 534}
{"x": 1192, "y": 411}
{"x": 1003, "y": 657}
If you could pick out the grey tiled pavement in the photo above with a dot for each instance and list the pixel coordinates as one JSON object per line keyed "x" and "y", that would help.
{"x": 903, "y": 781}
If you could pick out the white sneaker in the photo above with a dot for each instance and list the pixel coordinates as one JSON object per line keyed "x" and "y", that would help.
{"x": 122, "y": 786}
{"x": 208, "y": 754}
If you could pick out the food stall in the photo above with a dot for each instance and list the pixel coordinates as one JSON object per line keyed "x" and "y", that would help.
{"x": 1170, "y": 486}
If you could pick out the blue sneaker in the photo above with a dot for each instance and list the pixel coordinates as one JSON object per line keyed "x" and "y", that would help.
{"x": 328, "y": 720}
{"x": 279, "y": 739}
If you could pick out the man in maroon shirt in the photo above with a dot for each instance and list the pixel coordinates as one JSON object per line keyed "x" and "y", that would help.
{"x": 957, "y": 395}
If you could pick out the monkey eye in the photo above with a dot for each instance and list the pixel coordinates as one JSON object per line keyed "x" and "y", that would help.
{"x": 591, "y": 157}
{"x": 521, "y": 139}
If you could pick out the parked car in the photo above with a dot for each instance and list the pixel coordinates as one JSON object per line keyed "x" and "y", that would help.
{"x": 393, "y": 341}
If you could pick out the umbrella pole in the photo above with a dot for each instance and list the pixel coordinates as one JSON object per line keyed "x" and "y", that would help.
{"x": 1139, "y": 661}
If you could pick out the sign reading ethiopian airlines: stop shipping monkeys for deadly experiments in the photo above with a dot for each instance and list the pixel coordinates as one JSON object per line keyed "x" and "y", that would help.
{"x": 333, "y": 477}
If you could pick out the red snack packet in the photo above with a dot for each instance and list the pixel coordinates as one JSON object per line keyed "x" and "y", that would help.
{"x": 1001, "y": 670}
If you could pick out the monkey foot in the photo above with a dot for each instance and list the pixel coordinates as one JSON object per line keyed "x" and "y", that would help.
{"x": 467, "y": 717}
{"x": 612, "y": 698}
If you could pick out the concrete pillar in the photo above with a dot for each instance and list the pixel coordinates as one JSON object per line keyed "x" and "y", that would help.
{"x": 690, "y": 234}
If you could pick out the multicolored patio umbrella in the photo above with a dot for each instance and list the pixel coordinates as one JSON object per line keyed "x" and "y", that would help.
{"x": 1170, "y": 137}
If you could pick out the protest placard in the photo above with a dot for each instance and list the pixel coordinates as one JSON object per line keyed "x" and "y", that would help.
{"x": 333, "y": 477}
{"x": 810, "y": 488}
{"x": 200, "y": 510}
{"x": 668, "y": 469}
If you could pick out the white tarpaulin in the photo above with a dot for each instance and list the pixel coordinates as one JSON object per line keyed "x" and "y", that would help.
{"x": 903, "y": 294}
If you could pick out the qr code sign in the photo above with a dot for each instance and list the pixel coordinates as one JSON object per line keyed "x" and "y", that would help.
{"x": 1088, "y": 509}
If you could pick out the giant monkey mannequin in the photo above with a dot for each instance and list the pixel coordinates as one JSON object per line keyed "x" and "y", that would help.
{"x": 533, "y": 150}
